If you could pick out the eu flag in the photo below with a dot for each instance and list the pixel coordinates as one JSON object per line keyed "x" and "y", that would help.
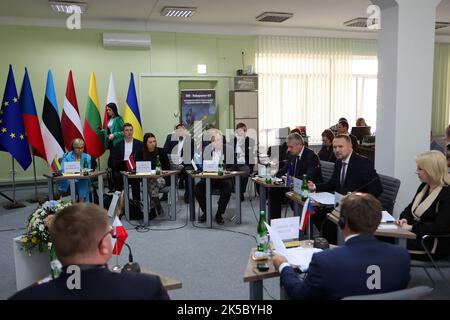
{"x": 12, "y": 131}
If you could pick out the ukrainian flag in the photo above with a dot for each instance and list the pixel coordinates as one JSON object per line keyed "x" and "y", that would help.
{"x": 131, "y": 113}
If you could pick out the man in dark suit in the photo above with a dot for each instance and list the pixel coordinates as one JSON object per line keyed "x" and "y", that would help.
{"x": 362, "y": 266}
{"x": 302, "y": 161}
{"x": 121, "y": 153}
{"x": 352, "y": 172}
{"x": 81, "y": 235}
{"x": 216, "y": 151}
{"x": 244, "y": 150}
{"x": 179, "y": 145}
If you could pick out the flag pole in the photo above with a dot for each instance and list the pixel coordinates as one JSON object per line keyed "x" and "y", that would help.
{"x": 36, "y": 197}
{"x": 14, "y": 203}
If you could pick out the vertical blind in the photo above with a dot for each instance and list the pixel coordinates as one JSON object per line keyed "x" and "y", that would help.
{"x": 313, "y": 82}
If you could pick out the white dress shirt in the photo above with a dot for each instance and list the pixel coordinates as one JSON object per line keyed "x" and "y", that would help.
{"x": 128, "y": 150}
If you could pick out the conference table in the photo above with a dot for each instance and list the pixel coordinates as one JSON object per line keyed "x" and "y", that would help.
{"x": 389, "y": 230}
{"x": 255, "y": 278}
{"x": 145, "y": 177}
{"x": 208, "y": 176}
{"x": 298, "y": 207}
{"x": 51, "y": 180}
{"x": 263, "y": 192}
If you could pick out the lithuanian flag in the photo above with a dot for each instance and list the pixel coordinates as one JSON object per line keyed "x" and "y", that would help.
{"x": 131, "y": 113}
{"x": 56, "y": 166}
{"x": 93, "y": 123}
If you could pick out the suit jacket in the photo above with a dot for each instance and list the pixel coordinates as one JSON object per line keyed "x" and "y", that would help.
{"x": 188, "y": 144}
{"x": 229, "y": 157}
{"x": 343, "y": 271}
{"x": 98, "y": 283}
{"x": 117, "y": 130}
{"x": 360, "y": 176}
{"x": 119, "y": 152}
{"x": 249, "y": 149}
{"x": 434, "y": 221}
{"x": 309, "y": 164}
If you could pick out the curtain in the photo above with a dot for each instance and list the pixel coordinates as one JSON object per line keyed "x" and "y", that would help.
{"x": 441, "y": 89}
{"x": 312, "y": 82}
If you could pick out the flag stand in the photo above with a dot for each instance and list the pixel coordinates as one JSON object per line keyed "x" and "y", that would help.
{"x": 36, "y": 198}
{"x": 117, "y": 267}
{"x": 14, "y": 203}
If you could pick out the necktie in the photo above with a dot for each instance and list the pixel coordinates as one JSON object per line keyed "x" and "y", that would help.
{"x": 343, "y": 173}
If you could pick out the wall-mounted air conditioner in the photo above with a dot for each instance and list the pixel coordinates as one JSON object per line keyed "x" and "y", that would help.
{"x": 126, "y": 40}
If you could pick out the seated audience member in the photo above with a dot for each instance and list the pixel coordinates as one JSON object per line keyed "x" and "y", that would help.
{"x": 326, "y": 153}
{"x": 216, "y": 151}
{"x": 361, "y": 122}
{"x": 334, "y": 128}
{"x": 244, "y": 149}
{"x": 152, "y": 153}
{"x": 302, "y": 161}
{"x": 281, "y": 148}
{"x": 352, "y": 172}
{"x": 342, "y": 128}
{"x": 447, "y": 136}
{"x": 429, "y": 211}
{"x": 82, "y": 237}
{"x": 82, "y": 186}
{"x": 348, "y": 270}
{"x": 121, "y": 154}
{"x": 179, "y": 146}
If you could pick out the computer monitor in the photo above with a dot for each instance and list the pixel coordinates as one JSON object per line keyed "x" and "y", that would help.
{"x": 360, "y": 132}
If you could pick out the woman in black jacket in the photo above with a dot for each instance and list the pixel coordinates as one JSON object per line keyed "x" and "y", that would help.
{"x": 152, "y": 153}
{"x": 429, "y": 212}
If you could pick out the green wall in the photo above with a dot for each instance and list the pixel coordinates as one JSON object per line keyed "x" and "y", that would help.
{"x": 171, "y": 55}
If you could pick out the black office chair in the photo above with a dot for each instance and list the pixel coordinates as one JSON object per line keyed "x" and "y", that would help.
{"x": 390, "y": 190}
{"x": 437, "y": 264}
{"x": 327, "y": 170}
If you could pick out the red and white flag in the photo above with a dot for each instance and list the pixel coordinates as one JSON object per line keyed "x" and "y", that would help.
{"x": 306, "y": 213}
{"x": 70, "y": 120}
{"x": 131, "y": 165}
{"x": 111, "y": 98}
{"x": 121, "y": 236}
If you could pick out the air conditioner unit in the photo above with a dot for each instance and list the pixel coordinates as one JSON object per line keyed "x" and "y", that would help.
{"x": 126, "y": 40}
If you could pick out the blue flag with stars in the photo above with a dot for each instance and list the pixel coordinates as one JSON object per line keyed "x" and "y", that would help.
{"x": 12, "y": 131}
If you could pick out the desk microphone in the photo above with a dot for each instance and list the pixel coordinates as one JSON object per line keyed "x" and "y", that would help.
{"x": 130, "y": 266}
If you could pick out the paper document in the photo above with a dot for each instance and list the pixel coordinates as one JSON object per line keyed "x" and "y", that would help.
{"x": 323, "y": 198}
{"x": 297, "y": 257}
{"x": 389, "y": 226}
{"x": 386, "y": 217}
{"x": 287, "y": 228}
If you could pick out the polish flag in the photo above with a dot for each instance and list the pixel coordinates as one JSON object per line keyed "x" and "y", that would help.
{"x": 121, "y": 236}
{"x": 306, "y": 213}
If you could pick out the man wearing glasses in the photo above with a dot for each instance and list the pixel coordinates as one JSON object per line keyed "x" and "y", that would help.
{"x": 82, "y": 235}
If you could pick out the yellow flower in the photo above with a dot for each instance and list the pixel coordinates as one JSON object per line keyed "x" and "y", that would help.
{"x": 25, "y": 239}
{"x": 34, "y": 240}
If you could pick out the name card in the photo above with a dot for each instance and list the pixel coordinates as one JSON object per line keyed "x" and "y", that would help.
{"x": 143, "y": 167}
{"x": 72, "y": 167}
{"x": 287, "y": 228}
{"x": 298, "y": 185}
{"x": 261, "y": 170}
{"x": 210, "y": 166}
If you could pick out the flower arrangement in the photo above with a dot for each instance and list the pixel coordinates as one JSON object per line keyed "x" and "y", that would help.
{"x": 38, "y": 235}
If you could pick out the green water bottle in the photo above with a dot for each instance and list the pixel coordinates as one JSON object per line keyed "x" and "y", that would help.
{"x": 55, "y": 265}
{"x": 220, "y": 168}
{"x": 262, "y": 232}
{"x": 305, "y": 190}
{"x": 85, "y": 167}
{"x": 158, "y": 166}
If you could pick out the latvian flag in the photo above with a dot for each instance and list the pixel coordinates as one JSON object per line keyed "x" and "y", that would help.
{"x": 306, "y": 213}
{"x": 121, "y": 236}
{"x": 131, "y": 165}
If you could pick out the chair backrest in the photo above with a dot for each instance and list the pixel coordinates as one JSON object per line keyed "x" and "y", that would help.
{"x": 414, "y": 293}
{"x": 390, "y": 190}
{"x": 327, "y": 170}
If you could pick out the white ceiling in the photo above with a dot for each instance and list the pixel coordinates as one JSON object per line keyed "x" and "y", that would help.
{"x": 315, "y": 14}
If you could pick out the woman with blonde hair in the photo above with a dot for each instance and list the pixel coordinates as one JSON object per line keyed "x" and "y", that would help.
{"x": 429, "y": 212}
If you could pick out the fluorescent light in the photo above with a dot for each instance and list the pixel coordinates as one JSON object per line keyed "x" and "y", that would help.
{"x": 68, "y": 7}
{"x": 201, "y": 68}
{"x": 179, "y": 12}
